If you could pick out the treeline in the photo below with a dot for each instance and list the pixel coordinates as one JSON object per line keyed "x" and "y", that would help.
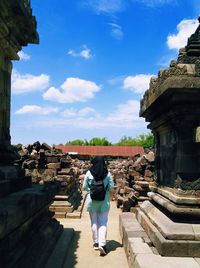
{"x": 145, "y": 140}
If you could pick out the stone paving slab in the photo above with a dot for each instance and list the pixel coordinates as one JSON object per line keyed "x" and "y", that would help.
{"x": 81, "y": 253}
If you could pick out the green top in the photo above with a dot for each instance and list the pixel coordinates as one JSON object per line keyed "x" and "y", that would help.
{"x": 98, "y": 206}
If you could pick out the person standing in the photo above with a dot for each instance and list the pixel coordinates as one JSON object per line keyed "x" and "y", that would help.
{"x": 98, "y": 210}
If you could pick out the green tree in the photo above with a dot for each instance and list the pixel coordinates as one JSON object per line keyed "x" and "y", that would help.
{"x": 127, "y": 141}
{"x": 145, "y": 140}
{"x": 76, "y": 142}
{"x": 99, "y": 141}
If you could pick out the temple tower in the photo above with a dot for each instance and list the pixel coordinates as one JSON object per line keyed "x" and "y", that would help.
{"x": 172, "y": 106}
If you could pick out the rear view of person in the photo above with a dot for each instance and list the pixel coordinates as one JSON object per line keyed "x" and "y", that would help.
{"x": 98, "y": 182}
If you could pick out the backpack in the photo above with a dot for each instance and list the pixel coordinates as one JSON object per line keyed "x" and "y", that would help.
{"x": 97, "y": 190}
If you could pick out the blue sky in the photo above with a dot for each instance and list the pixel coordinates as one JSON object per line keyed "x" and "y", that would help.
{"x": 95, "y": 58}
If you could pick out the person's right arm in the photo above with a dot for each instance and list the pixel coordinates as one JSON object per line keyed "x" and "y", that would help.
{"x": 110, "y": 183}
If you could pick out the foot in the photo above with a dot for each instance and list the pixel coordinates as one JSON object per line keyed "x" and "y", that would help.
{"x": 103, "y": 250}
{"x": 95, "y": 246}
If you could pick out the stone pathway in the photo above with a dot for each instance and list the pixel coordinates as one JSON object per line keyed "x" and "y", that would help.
{"x": 81, "y": 253}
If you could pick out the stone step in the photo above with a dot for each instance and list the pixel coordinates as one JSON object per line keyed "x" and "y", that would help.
{"x": 73, "y": 215}
{"x": 139, "y": 250}
{"x": 60, "y": 215}
{"x": 29, "y": 251}
{"x": 61, "y": 204}
{"x": 169, "y": 229}
{"x": 180, "y": 246}
{"x": 61, "y": 197}
{"x": 61, "y": 209}
{"x": 57, "y": 258}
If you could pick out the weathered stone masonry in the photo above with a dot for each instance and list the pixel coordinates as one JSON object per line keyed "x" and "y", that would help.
{"x": 28, "y": 232}
{"x": 172, "y": 106}
{"x": 18, "y": 28}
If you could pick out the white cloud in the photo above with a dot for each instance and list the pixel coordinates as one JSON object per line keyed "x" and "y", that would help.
{"x": 125, "y": 116}
{"x": 116, "y": 31}
{"x": 185, "y": 28}
{"x": 84, "y": 53}
{"x": 125, "y": 113}
{"x": 72, "y": 90}
{"x": 138, "y": 83}
{"x": 86, "y": 111}
{"x": 23, "y": 56}
{"x": 35, "y": 109}
{"x": 105, "y": 6}
{"x": 28, "y": 82}
{"x": 71, "y": 112}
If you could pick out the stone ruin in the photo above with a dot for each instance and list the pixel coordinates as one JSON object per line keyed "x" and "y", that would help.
{"x": 45, "y": 164}
{"x": 133, "y": 178}
{"x": 27, "y": 227}
{"x": 172, "y": 106}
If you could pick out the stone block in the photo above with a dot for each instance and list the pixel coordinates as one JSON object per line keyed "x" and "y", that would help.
{"x": 155, "y": 261}
{"x": 4, "y": 187}
{"x": 196, "y": 229}
{"x": 53, "y": 165}
{"x": 137, "y": 246}
{"x": 60, "y": 215}
{"x": 61, "y": 204}
{"x": 52, "y": 159}
{"x": 73, "y": 215}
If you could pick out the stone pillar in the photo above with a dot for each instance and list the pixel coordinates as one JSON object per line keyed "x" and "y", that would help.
{"x": 28, "y": 232}
{"x": 172, "y": 106}
{"x": 5, "y": 90}
{"x": 18, "y": 28}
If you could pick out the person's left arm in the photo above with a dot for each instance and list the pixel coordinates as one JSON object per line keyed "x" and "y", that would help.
{"x": 86, "y": 185}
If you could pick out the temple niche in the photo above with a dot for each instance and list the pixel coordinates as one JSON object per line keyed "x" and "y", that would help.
{"x": 172, "y": 107}
{"x": 28, "y": 232}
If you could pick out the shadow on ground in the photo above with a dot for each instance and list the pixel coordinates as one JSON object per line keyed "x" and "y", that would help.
{"x": 71, "y": 257}
{"x": 112, "y": 245}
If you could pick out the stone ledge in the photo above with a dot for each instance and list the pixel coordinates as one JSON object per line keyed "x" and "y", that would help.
{"x": 58, "y": 256}
{"x": 166, "y": 247}
{"x": 168, "y": 228}
{"x": 182, "y": 211}
{"x": 21, "y": 206}
{"x": 140, "y": 254}
{"x": 174, "y": 197}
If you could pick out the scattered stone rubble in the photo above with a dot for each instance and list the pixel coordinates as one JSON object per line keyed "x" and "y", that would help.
{"x": 133, "y": 178}
{"x": 46, "y": 164}
{"x": 43, "y": 163}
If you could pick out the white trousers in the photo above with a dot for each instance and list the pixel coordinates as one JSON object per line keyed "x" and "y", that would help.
{"x": 99, "y": 222}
